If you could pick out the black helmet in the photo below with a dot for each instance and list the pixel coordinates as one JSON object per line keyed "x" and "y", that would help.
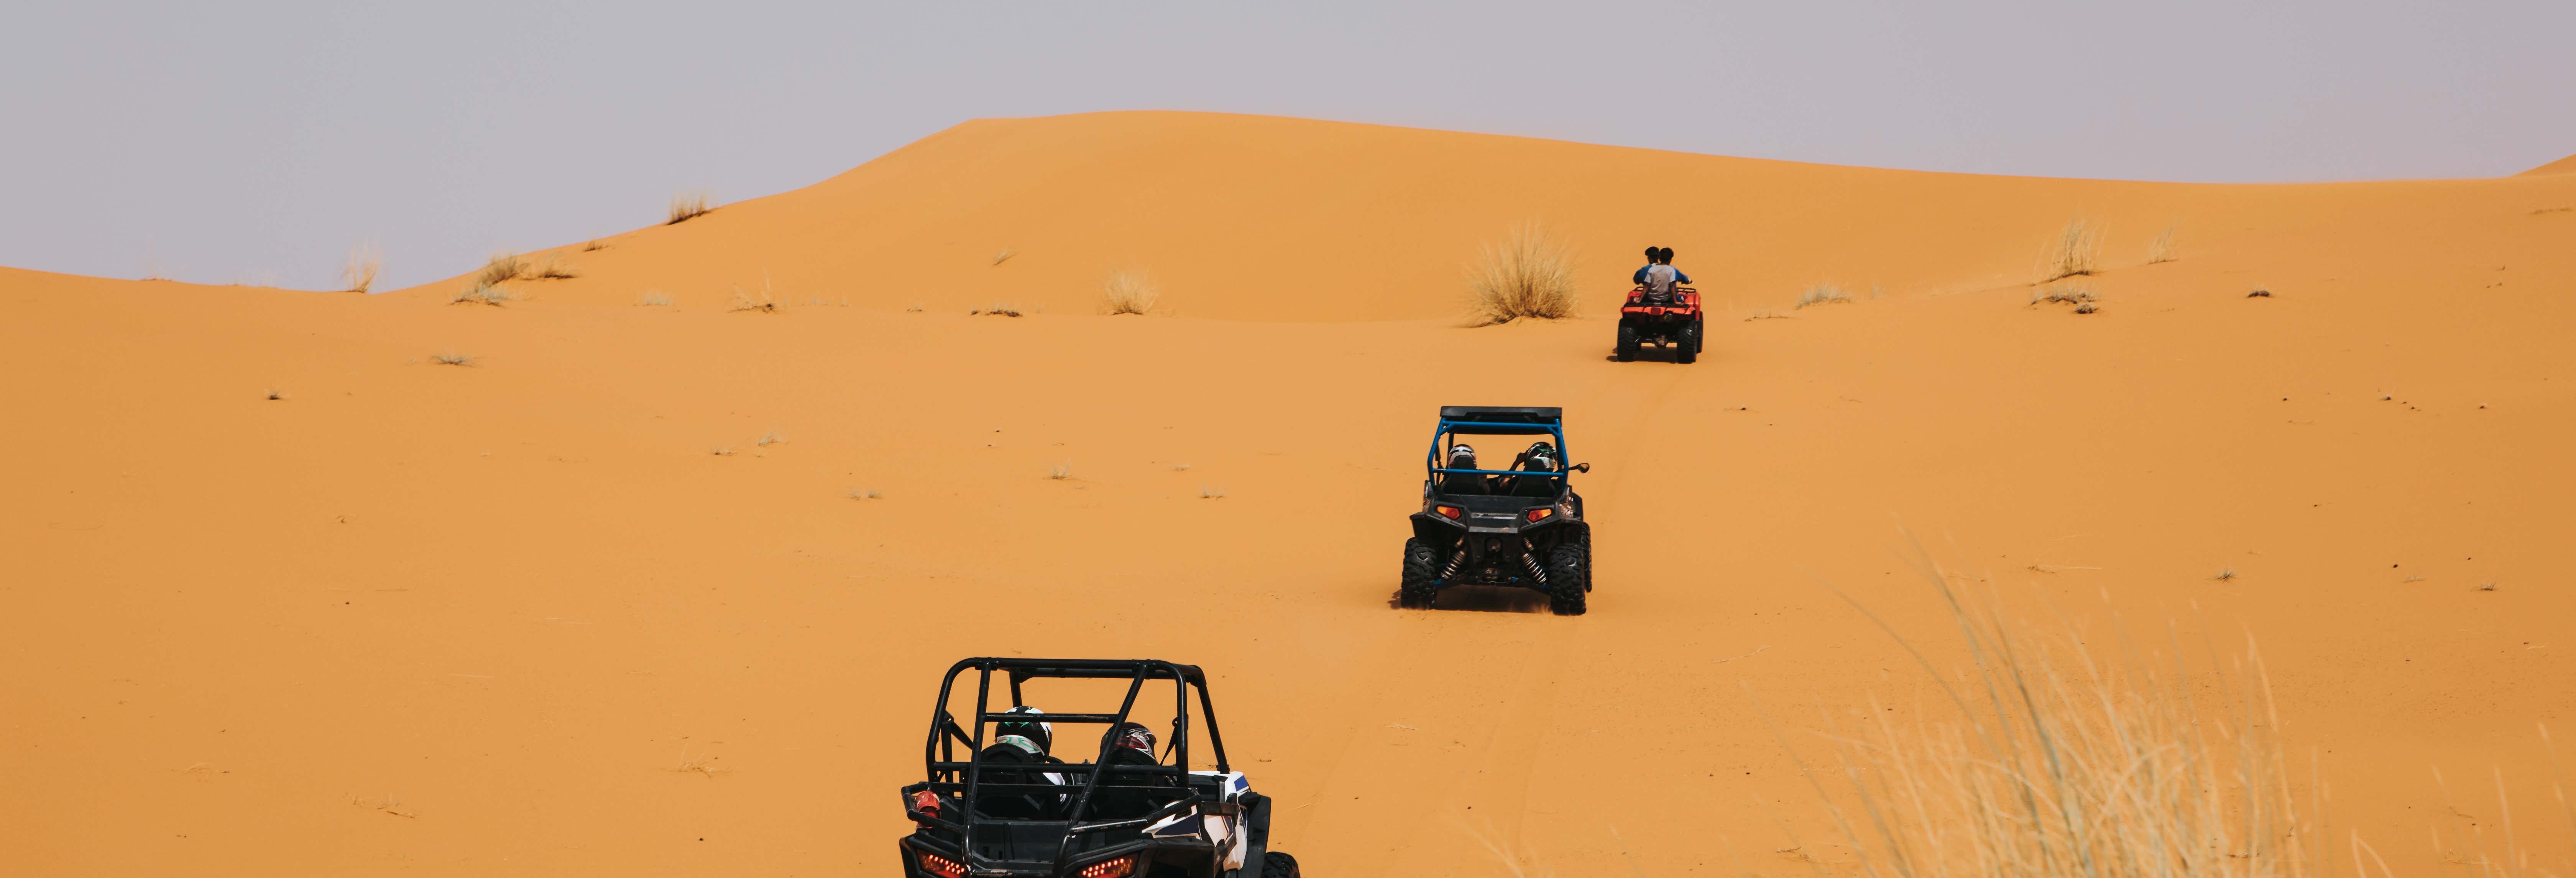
{"x": 1133, "y": 737}
{"x": 1541, "y": 457}
{"x": 1029, "y": 727}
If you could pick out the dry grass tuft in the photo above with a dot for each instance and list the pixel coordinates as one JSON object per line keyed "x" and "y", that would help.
{"x": 1822, "y": 294}
{"x": 1208, "y": 493}
{"x": 915, "y": 309}
{"x": 276, "y": 395}
{"x": 2163, "y": 248}
{"x": 1004, "y": 255}
{"x": 862, "y": 494}
{"x": 451, "y": 358}
{"x": 689, "y": 205}
{"x": 1060, "y": 472}
{"x": 2078, "y": 295}
{"x": 594, "y": 244}
{"x": 770, "y": 438}
{"x": 995, "y": 310}
{"x": 2046, "y": 760}
{"x": 1130, "y": 291}
{"x": 503, "y": 266}
{"x": 655, "y": 298}
{"x": 360, "y": 274}
{"x": 2225, "y": 574}
{"x": 721, "y": 451}
{"x": 480, "y": 293}
{"x": 2259, "y": 294}
{"x": 553, "y": 269}
{"x": 763, "y": 303}
{"x": 2077, "y": 249}
{"x": 1529, "y": 275}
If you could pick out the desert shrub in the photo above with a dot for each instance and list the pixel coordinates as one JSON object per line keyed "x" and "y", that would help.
{"x": 503, "y": 266}
{"x": 1528, "y": 275}
{"x": 2163, "y": 248}
{"x": 2046, "y": 760}
{"x": 480, "y": 293}
{"x": 2063, "y": 294}
{"x": 2076, "y": 249}
{"x": 1822, "y": 294}
{"x": 689, "y": 205}
{"x": 552, "y": 268}
{"x": 360, "y": 274}
{"x": 1129, "y": 291}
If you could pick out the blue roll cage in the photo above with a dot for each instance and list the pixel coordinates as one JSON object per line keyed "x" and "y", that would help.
{"x": 1552, "y": 429}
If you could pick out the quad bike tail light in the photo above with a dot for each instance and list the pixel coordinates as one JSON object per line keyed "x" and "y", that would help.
{"x": 1117, "y": 868}
{"x": 1541, "y": 512}
{"x": 1450, "y": 512}
{"x": 943, "y": 866}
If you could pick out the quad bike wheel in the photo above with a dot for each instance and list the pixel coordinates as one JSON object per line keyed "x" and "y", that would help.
{"x": 1416, "y": 591}
{"x": 1627, "y": 343}
{"x": 1569, "y": 576}
{"x": 1278, "y": 865}
{"x": 1686, "y": 343}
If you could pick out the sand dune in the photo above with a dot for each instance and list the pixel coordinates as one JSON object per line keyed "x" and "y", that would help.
{"x": 517, "y": 616}
{"x": 2561, "y": 166}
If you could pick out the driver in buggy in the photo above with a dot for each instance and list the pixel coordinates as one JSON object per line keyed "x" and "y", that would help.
{"x": 1024, "y": 742}
{"x": 1659, "y": 276}
{"x": 1463, "y": 456}
{"x": 1129, "y": 744}
{"x": 1540, "y": 458}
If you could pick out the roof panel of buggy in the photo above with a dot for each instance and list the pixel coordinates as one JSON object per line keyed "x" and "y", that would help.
{"x": 1499, "y": 419}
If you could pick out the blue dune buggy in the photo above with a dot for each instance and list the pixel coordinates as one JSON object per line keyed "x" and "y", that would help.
{"x": 1520, "y": 527}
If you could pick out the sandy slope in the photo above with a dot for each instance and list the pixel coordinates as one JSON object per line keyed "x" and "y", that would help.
{"x": 417, "y": 618}
{"x": 2561, "y": 166}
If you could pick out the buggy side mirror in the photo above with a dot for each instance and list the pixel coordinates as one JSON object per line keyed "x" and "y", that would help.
{"x": 1579, "y": 468}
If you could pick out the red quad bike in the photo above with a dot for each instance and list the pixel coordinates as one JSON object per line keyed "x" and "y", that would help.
{"x": 1672, "y": 319}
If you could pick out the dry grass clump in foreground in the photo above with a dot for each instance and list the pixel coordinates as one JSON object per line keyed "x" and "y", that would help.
{"x": 360, "y": 274}
{"x": 553, "y": 269}
{"x": 2077, "y": 249}
{"x": 689, "y": 205}
{"x": 1821, "y": 294}
{"x": 1529, "y": 275}
{"x": 1130, "y": 291}
{"x": 764, "y": 303}
{"x": 2079, "y": 295}
{"x": 2049, "y": 760}
{"x": 996, "y": 309}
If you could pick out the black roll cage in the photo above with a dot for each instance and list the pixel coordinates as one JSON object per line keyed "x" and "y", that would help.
{"x": 939, "y": 756}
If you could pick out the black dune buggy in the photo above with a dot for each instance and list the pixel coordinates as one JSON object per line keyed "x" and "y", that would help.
{"x": 1521, "y": 527}
{"x": 1000, "y": 812}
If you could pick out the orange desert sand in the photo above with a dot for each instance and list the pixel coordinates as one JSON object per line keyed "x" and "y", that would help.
{"x": 518, "y": 617}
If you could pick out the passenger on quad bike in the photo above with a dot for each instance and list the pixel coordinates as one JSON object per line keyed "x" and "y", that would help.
{"x": 1463, "y": 457}
{"x": 1659, "y": 276}
{"x": 1023, "y": 741}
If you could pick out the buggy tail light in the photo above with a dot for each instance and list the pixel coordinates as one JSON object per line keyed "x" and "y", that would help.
{"x": 1449, "y": 512}
{"x": 945, "y": 867}
{"x": 1117, "y": 868}
{"x": 1541, "y": 512}
{"x": 926, "y": 802}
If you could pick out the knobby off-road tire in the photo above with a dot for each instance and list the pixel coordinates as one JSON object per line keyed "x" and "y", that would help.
{"x": 1569, "y": 576}
{"x": 1627, "y": 343}
{"x": 1420, "y": 565}
{"x": 1278, "y": 865}
{"x": 1686, "y": 346}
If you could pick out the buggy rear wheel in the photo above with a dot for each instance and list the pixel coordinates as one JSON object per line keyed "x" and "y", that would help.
{"x": 1417, "y": 590}
{"x": 1686, "y": 343}
{"x": 1627, "y": 343}
{"x": 1278, "y": 865}
{"x": 1569, "y": 576}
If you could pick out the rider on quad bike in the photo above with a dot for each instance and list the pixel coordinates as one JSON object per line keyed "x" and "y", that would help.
{"x": 1661, "y": 310}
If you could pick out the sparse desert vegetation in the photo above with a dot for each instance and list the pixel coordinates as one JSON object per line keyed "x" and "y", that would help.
{"x": 770, "y": 438}
{"x": 1530, "y": 274}
{"x": 746, "y": 301}
{"x": 689, "y": 205}
{"x": 2079, "y": 295}
{"x": 995, "y": 310}
{"x": 655, "y": 298}
{"x": 451, "y": 358}
{"x": 1060, "y": 472}
{"x": 2075, "y": 250}
{"x": 360, "y": 274}
{"x": 1004, "y": 255}
{"x": 2163, "y": 248}
{"x": 2047, "y": 759}
{"x": 862, "y": 494}
{"x": 1824, "y": 294}
{"x": 1130, "y": 291}
{"x": 503, "y": 266}
{"x": 1211, "y": 493}
{"x": 552, "y": 268}
{"x": 480, "y": 293}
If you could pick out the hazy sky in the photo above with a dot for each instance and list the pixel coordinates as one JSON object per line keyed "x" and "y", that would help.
{"x": 260, "y": 141}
